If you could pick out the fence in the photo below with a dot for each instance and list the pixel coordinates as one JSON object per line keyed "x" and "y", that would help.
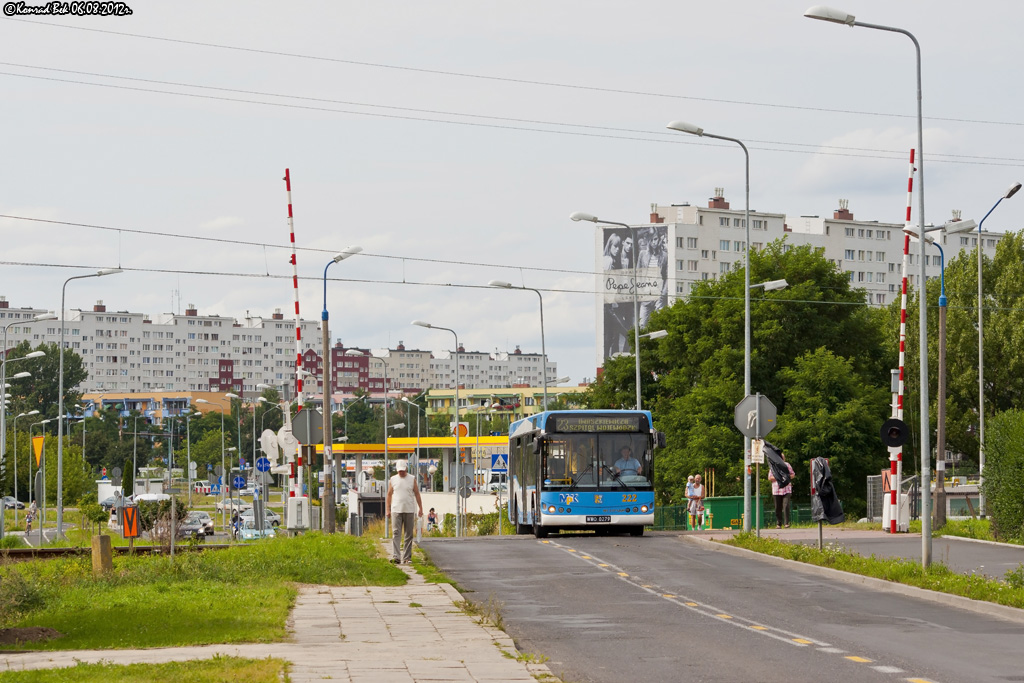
{"x": 675, "y": 517}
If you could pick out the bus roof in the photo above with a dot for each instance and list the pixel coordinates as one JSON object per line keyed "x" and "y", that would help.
{"x": 540, "y": 421}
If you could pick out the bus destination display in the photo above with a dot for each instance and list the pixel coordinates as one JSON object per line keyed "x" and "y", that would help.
{"x": 596, "y": 423}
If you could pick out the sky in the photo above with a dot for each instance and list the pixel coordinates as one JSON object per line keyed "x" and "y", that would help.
{"x": 452, "y": 139}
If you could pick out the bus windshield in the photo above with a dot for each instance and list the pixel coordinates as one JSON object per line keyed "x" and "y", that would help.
{"x": 597, "y": 461}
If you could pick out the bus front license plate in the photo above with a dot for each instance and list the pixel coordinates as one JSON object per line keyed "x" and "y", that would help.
{"x": 599, "y": 518}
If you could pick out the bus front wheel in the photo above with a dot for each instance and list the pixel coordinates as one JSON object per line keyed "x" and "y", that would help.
{"x": 636, "y": 531}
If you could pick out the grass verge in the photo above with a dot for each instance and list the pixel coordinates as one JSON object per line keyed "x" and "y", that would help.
{"x": 241, "y": 594}
{"x": 937, "y": 577}
{"x": 215, "y": 670}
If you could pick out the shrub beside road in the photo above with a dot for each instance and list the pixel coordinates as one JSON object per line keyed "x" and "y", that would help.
{"x": 938, "y": 577}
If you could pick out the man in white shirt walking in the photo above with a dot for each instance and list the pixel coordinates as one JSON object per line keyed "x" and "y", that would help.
{"x": 403, "y": 505}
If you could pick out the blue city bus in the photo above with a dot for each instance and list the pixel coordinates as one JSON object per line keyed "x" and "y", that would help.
{"x": 582, "y": 469}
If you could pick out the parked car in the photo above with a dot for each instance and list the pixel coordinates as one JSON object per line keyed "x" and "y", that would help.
{"x": 232, "y": 504}
{"x": 150, "y": 497}
{"x": 11, "y": 504}
{"x": 273, "y": 519}
{"x": 249, "y": 532}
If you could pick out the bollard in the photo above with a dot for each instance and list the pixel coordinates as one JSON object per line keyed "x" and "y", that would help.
{"x": 102, "y": 554}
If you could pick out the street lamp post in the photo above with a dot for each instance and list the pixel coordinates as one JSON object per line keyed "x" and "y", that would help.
{"x": 458, "y": 451}
{"x": 31, "y": 412}
{"x": 581, "y": 216}
{"x": 418, "y": 411}
{"x": 41, "y": 495}
{"x": 951, "y": 228}
{"x": 188, "y": 451}
{"x": 223, "y": 472}
{"x": 329, "y": 502}
{"x": 684, "y": 127}
{"x": 838, "y": 17}
{"x": 939, "y": 511}
{"x": 543, "y": 350}
{"x": 981, "y": 362}
{"x": 60, "y": 399}
{"x": 238, "y": 443}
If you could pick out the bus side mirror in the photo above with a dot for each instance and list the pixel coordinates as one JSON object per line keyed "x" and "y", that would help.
{"x": 659, "y": 439}
{"x": 536, "y": 446}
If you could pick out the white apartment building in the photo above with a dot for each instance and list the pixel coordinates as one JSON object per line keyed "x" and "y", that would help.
{"x": 490, "y": 370}
{"x": 132, "y": 353}
{"x": 705, "y": 242}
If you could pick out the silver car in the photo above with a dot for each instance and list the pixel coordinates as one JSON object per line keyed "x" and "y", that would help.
{"x": 205, "y": 519}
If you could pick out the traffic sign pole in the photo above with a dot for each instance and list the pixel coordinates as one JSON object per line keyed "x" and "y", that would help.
{"x": 754, "y": 417}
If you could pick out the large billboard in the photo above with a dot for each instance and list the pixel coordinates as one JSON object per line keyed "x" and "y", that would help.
{"x": 622, "y": 280}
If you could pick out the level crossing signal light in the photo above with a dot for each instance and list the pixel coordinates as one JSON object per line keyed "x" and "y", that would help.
{"x": 894, "y": 433}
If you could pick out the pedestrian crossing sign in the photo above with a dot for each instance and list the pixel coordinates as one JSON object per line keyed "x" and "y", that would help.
{"x": 499, "y": 462}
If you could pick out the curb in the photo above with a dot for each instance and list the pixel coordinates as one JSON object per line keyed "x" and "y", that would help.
{"x": 979, "y": 606}
{"x": 982, "y": 540}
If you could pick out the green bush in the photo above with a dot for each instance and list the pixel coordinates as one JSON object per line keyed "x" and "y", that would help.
{"x": 1004, "y": 475}
{"x": 9, "y": 541}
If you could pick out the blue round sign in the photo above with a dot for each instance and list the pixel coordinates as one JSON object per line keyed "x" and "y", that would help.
{"x": 263, "y": 464}
{"x": 239, "y": 482}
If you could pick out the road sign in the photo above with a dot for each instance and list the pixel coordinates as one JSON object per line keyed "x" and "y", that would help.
{"x": 308, "y": 426}
{"x": 757, "y": 451}
{"x": 193, "y": 466}
{"x": 750, "y": 411}
{"x": 499, "y": 462}
{"x": 130, "y": 522}
{"x": 239, "y": 482}
{"x": 262, "y": 464}
{"x": 465, "y": 491}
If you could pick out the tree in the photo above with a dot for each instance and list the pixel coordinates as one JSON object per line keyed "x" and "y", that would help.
{"x": 831, "y": 413}
{"x": 39, "y": 392}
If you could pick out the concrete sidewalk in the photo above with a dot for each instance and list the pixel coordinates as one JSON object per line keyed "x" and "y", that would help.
{"x": 359, "y": 634}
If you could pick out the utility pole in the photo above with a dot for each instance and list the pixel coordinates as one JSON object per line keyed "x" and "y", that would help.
{"x": 328, "y": 463}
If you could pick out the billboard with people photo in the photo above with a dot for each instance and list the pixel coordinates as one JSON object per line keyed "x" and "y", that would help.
{"x": 630, "y": 269}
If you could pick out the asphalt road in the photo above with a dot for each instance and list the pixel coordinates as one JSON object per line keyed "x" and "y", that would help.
{"x": 661, "y": 608}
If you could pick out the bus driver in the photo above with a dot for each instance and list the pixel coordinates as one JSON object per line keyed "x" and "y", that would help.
{"x": 627, "y": 464}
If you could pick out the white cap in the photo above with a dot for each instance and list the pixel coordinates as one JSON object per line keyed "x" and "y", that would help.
{"x": 402, "y": 466}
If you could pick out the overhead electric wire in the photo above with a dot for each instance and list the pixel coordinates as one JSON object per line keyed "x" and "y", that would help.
{"x": 455, "y": 285}
{"x": 505, "y": 79}
{"x": 474, "y": 124}
{"x": 670, "y": 136}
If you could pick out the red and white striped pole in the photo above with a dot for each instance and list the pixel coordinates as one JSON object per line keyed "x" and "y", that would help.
{"x": 295, "y": 475}
{"x": 896, "y": 453}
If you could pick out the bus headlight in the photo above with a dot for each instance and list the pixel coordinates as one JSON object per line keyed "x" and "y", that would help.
{"x": 551, "y": 509}
{"x": 643, "y": 508}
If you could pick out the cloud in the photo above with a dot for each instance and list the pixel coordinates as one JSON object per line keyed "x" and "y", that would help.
{"x": 222, "y": 223}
